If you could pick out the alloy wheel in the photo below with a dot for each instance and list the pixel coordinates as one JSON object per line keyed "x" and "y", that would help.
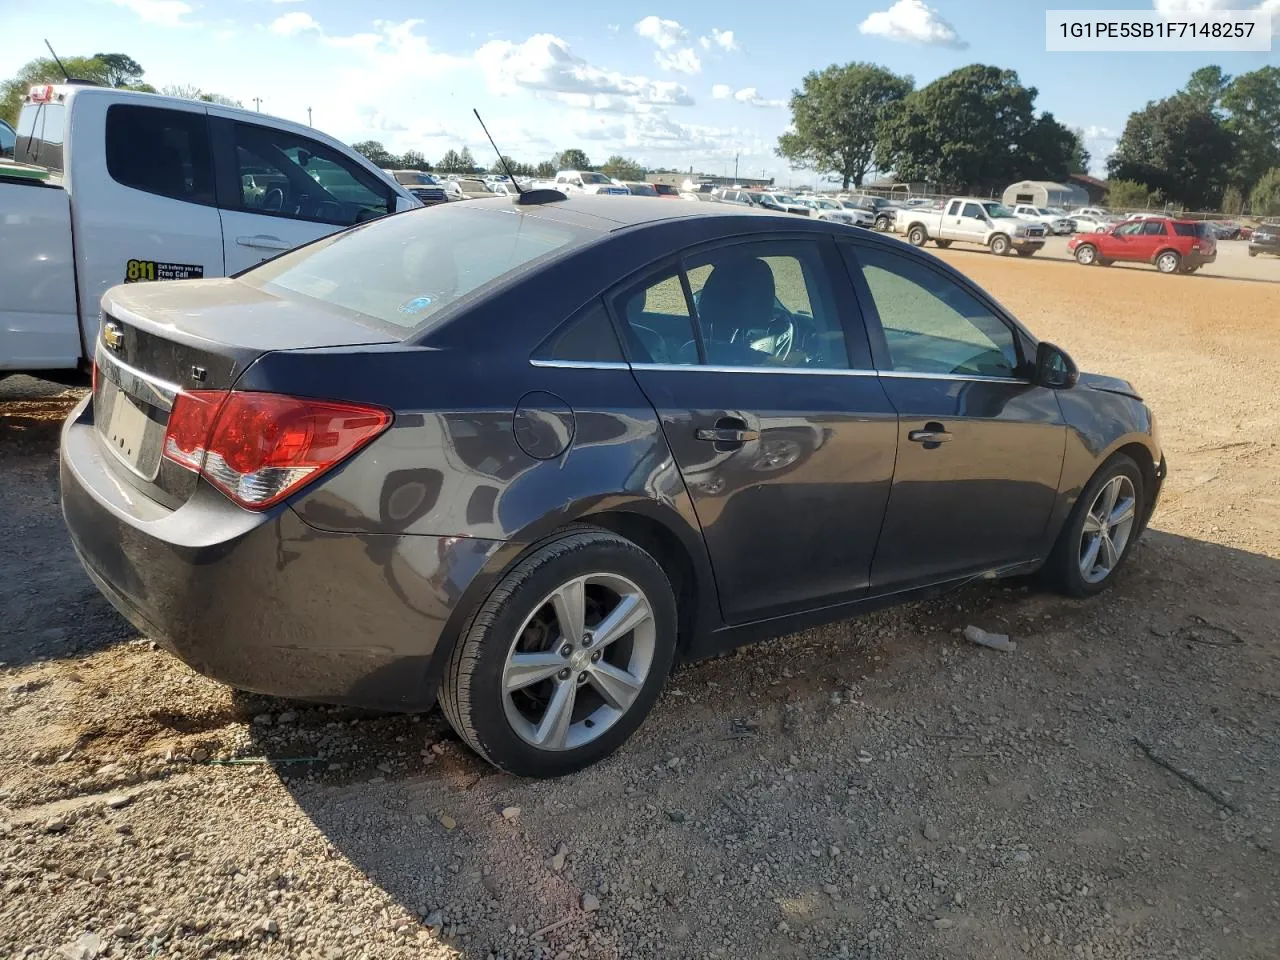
{"x": 579, "y": 661}
{"x": 1168, "y": 262}
{"x": 1107, "y": 528}
{"x": 1085, "y": 255}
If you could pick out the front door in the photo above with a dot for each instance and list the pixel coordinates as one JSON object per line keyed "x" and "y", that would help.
{"x": 979, "y": 447}
{"x": 1123, "y": 243}
{"x": 760, "y": 371}
{"x": 279, "y": 190}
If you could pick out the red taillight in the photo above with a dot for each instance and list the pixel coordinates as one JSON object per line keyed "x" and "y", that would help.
{"x": 259, "y": 448}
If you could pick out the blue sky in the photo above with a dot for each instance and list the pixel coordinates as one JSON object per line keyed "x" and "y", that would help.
{"x": 673, "y": 84}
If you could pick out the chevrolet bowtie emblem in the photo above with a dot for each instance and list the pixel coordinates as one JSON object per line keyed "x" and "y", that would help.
{"x": 112, "y": 335}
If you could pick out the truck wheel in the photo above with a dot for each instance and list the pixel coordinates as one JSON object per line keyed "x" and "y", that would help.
{"x": 883, "y": 223}
{"x": 943, "y": 244}
{"x": 999, "y": 244}
{"x": 1086, "y": 255}
{"x": 1253, "y": 253}
{"x": 1169, "y": 262}
{"x": 917, "y": 236}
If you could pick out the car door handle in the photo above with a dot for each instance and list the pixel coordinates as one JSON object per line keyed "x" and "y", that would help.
{"x": 726, "y": 434}
{"x": 929, "y": 436}
{"x": 264, "y": 243}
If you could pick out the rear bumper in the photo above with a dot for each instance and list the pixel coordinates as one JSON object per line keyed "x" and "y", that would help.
{"x": 1030, "y": 243}
{"x": 1271, "y": 247}
{"x": 264, "y": 602}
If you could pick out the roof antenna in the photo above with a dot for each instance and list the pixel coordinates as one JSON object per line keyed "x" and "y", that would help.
{"x": 66, "y": 75}
{"x": 523, "y": 197}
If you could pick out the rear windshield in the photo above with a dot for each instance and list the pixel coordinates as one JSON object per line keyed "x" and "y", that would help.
{"x": 39, "y": 140}
{"x": 403, "y": 270}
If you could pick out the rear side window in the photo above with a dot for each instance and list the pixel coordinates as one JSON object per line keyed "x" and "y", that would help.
{"x": 165, "y": 152}
{"x": 1188, "y": 230}
{"x": 587, "y": 338}
{"x": 40, "y": 136}
{"x": 404, "y": 270}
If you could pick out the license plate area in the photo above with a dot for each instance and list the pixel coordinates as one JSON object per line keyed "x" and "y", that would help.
{"x": 131, "y": 411}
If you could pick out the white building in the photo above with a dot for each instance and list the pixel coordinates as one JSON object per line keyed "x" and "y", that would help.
{"x": 1043, "y": 193}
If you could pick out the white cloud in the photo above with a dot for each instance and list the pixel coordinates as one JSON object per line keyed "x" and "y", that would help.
{"x": 292, "y": 24}
{"x": 1173, "y": 8}
{"x": 683, "y": 60}
{"x": 911, "y": 21}
{"x": 721, "y": 91}
{"x": 752, "y": 96}
{"x": 544, "y": 64}
{"x": 163, "y": 13}
{"x": 719, "y": 38}
{"x": 665, "y": 33}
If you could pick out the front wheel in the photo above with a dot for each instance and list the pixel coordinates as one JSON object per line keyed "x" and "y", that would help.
{"x": 1086, "y": 254}
{"x": 1169, "y": 262}
{"x": 917, "y": 236}
{"x": 943, "y": 244}
{"x": 564, "y": 660}
{"x": 999, "y": 244}
{"x": 1098, "y": 535}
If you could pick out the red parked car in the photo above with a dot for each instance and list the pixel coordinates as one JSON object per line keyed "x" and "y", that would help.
{"x": 1173, "y": 246}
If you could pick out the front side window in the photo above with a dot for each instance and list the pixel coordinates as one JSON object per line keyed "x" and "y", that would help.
{"x": 160, "y": 151}
{"x": 304, "y": 180}
{"x": 753, "y": 306}
{"x": 1153, "y": 228}
{"x": 1130, "y": 229}
{"x": 931, "y": 324}
{"x": 404, "y": 270}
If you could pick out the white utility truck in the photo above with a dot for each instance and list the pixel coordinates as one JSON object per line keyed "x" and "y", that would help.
{"x": 114, "y": 186}
{"x": 971, "y": 220}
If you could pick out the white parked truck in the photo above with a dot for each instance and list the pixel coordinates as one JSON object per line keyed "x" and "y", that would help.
{"x": 588, "y": 181}
{"x": 113, "y": 186}
{"x": 971, "y": 220}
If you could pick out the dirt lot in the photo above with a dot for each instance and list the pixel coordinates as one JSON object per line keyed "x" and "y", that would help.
{"x": 874, "y": 789}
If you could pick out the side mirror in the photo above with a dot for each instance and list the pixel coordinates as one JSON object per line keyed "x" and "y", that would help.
{"x": 1054, "y": 369}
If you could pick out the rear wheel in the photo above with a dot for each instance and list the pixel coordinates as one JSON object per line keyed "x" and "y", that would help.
{"x": 1087, "y": 255}
{"x": 943, "y": 244}
{"x": 999, "y": 244}
{"x": 564, "y": 660}
{"x": 1253, "y": 253}
{"x": 1097, "y": 537}
{"x": 1169, "y": 262}
{"x": 917, "y": 236}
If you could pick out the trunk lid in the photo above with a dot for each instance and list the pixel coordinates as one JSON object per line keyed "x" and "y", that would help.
{"x": 157, "y": 340}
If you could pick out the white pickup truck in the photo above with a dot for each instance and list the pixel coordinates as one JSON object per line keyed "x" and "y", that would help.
{"x": 971, "y": 220}
{"x": 112, "y": 186}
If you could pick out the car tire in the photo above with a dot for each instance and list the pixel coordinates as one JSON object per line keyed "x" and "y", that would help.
{"x": 1065, "y": 570}
{"x": 1253, "y": 253}
{"x": 943, "y": 244}
{"x": 883, "y": 224}
{"x": 1087, "y": 255}
{"x": 498, "y": 717}
{"x": 917, "y": 236}
{"x": 999, "y": 244}
{"x": 1169, "y": 262}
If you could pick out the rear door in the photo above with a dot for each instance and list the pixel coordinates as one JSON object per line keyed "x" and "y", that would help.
{"x": 143, "y": 208}
{"x": 1152, "y": 239}
{"x": 980, "y": 448}
{"x": 755, "y": 359}
{"x": 278, "y": 189}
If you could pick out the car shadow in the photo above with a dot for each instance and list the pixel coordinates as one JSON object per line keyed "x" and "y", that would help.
{"x": 481, "y": 861}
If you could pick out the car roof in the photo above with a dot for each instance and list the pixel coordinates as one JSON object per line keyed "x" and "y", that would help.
{"x": 607, "y": 214}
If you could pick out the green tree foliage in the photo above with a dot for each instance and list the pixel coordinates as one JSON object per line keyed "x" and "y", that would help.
{"x": 376, "y": 153}
{"x": 1078, "y": 161}
{"x": 973, "y": 129}
{"x": 1252, "y": 102}
{"x": 221, "y": 100}
{"x": 622, "y": 168}
{"x": 1207, "y": 85}
{"x": 571, "y": 159}
{"x": 1128, "y": 195}
{"x": 413, "y": 160}
{"x": 451, "y": 162}
{"x": 44, "y": 70}
{"x": 545, "y": 170}
{"x": 836, "y": 115}
{"x": 119, "y": 69}
{"x": 1265, "y": 199}
{"x": 1233, "y": 202}
{"x": 1179, "y": 147}
{"x": 468, "y": 162}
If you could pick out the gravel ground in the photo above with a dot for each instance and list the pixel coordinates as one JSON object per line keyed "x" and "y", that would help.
{"x": 875, "y": 789}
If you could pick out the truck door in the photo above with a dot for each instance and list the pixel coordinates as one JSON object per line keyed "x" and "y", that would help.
{"x": 278, "y": 189}
{"x": 142, "y": 209}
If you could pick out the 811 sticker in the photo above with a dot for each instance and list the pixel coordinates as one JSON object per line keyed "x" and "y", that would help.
{"x": 137, "y": 271}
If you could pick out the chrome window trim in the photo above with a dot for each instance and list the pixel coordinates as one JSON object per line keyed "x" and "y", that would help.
{"x": 583, "y": 364}
{"x": 910, "y": 375}
{"x": 821, "y": 372}
{"x": 715, "y": 368}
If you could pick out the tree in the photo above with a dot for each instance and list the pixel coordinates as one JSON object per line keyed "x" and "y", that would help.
{"x": 375, "y": 153}
{"x": 836, "y": 116}
{"x": 120, "y": 69}
{"x": 44, "y": 70}
{"x": 1253, "y": 104}
{"x": 220, "y": 99}
{"x": 1207, "y": 85}
{"x": 468, "y": 162}
{"x": 974, "y": 129}
{"x": 451, "y": 162}
{"x": 1079, "y": 159}
{"x": 572, "y": 159}
{"x": 1179, "y": 147}
{"x": 621, "y": 168}
{"x": 414, "y": 160}
{"x": 1127, "y": 195}
{"x": 1265, "y": 199}
{"x": 185, "y": 91}
{"x": 1233, "y": 201}
{"x": 545, "y": 170}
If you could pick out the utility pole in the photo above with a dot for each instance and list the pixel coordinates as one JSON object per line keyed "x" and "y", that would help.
{"x": 308, "y": 116}
{"x": 735, "y": 168}
{"x": 257, "y": 104}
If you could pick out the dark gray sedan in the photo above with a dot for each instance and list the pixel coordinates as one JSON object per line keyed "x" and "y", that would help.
{"x": 526, "y": 455}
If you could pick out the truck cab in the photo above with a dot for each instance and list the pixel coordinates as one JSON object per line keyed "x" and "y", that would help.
{"x": 972, "y": 220}
{"x": 138, "y": 188}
